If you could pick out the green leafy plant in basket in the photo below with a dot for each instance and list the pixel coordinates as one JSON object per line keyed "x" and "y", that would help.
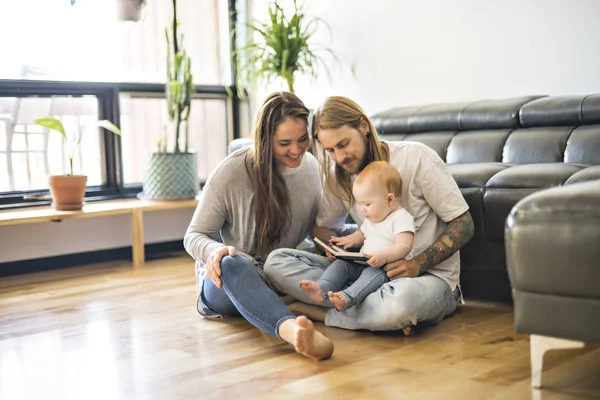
{"x": 281, "y": 48}
{"x": 173, "y": 175}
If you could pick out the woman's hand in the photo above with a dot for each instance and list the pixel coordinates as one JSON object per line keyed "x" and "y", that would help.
{"x": 213, "y": 264}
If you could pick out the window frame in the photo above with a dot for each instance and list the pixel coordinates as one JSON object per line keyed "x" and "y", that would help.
{"x": 108, "y": 108}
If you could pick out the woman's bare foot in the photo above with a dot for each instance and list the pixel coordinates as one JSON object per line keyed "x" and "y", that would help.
{"x": 338, "y": 300}
{"x": 408, "y": 330}
{"x": 313, "y": 290}
{"x": 310, "y": 342}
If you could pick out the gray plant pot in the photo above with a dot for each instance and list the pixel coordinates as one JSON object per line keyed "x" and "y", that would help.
{"x": 171, "y": 176}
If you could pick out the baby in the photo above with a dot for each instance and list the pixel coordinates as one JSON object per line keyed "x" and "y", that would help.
{"x": 386, "y": 235}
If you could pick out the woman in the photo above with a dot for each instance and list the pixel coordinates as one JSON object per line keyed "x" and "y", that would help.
{"x": 259, "y": 199}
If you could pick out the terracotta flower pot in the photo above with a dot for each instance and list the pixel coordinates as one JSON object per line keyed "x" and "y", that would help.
{"x": 68, "y": 191}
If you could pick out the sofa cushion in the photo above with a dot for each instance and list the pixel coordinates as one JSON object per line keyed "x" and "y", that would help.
{"x": 494, "y": 114}
{"x": 239, "y": 143}
{"x": 585, "y": 175}
{"x": 583, "y": 145}
{"x": 476, "y": 174}
{"x": 590, "y": 110}
{"x": 536, "y": 145}
{"x": 509, "y": 186}
{"x": 438, "y": 141}
{"x": 533, "y": 176}
{"x": 477, "y": 146}
{"x": 552, "y": 111}
{"x": 395, "y": 120}
{"x": 553, "y": 239}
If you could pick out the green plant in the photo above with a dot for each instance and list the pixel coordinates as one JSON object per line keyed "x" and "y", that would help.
{"x": 179, "y": 87}
{"x": 73, "y": 142}
{"x": 283, "y": 48}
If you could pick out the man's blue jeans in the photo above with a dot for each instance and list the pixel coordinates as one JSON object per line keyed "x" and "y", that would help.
{"x": 397, "y": 304}
{"x": 243, "y": 293}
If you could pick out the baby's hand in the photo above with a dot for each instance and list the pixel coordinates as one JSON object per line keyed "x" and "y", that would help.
{"x": 378, "y": 259}
{"x": 343, "y": 242}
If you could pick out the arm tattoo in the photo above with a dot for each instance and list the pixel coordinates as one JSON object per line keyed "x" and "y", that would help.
{"x": 458, "y": 232}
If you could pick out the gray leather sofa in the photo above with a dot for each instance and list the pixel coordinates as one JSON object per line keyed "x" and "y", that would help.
{"x": 500, "y": 152}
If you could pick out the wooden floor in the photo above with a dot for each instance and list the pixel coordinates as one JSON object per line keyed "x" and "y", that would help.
{"x": 113, "y": 332}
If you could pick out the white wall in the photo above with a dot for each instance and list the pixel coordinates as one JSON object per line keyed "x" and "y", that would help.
{"x": 409, "y": 52}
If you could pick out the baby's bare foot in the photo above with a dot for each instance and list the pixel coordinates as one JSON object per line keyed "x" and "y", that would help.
{"x": 338, "y": 300}
{"x": 310, "y": 342}
{"x": 313, "y": 290}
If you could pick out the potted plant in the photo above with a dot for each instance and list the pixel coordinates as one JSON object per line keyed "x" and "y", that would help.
{"x": 127, "y": 10}
{"x": 173, "y": 175}
{"x": 68, "y": 190}
{"x": 280, "y": 48}
{"x": 130, "y": 10}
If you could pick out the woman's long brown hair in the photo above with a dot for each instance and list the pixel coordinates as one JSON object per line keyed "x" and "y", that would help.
{"x": 271, "y": 199}
{"x": 335, "y": 112}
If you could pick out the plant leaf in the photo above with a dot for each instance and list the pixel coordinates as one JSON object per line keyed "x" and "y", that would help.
{"x": 106, "y": 124}
{"x": 53, "y": 124}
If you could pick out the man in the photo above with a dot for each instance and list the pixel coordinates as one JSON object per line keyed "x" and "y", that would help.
{"x": 422, "y": 289}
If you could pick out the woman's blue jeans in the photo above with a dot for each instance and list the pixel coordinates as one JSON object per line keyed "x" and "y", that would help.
{"x": 244, "y": 293}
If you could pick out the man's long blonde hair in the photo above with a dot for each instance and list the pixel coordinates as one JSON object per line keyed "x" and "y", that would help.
{"x": 271, "y": 198}
{"x": 335, "y": 112}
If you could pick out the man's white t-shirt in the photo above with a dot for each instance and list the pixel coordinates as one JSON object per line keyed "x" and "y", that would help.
{"x": 429, "y": 194}
{"x": 381, "y": 235}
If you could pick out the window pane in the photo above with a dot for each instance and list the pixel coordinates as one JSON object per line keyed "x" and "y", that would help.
{"x": 4, "y": 185}
{"x": 143, "y": 122}
{"x": 2, "y": 136}
{"x": 36, "y": 152}
{"x": 86, "y": 42}
{"x": 36, "y": 142}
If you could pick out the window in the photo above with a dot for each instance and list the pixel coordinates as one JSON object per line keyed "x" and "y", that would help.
{"x": 86, "y": 42}
{"x": 30, "y": 153}
{"x": 83, "y": 65}
{"x": 144, "y": 120}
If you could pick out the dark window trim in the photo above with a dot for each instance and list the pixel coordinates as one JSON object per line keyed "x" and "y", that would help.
{"x": 108, "y": 108}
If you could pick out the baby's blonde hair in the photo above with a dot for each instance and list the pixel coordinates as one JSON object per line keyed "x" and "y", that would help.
{"x": 382, "y": 173}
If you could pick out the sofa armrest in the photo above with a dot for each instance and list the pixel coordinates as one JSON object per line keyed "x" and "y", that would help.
{"x": 552, "y": 240}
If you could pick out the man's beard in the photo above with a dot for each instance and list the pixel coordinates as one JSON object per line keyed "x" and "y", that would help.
{"x": 353, "y": 168}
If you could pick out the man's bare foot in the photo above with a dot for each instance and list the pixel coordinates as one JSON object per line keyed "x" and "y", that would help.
{"x": 313, "y": 290}
{"x": 310, "y": 342}
{"x": 408, "y": 330}
{"x": 338, "y": 300}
